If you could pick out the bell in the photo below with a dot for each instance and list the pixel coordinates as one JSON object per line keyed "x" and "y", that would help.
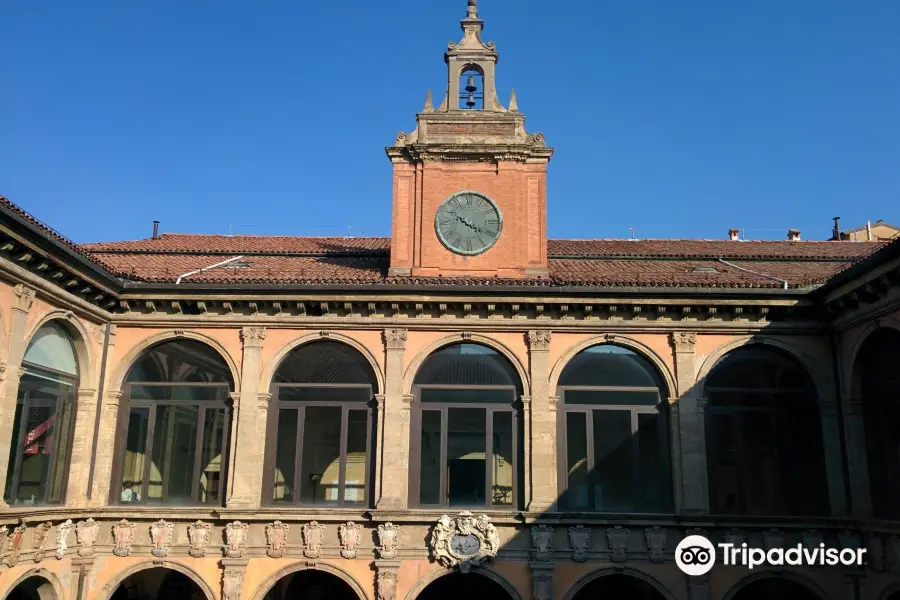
{"x": 471, "y": 101}
{"x": 470, "y": 86}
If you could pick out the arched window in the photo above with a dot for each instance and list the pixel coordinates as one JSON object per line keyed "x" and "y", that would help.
{"x": 876, "y": 380}
{"x": 614, "y": 450}
{"x": 174, "y": 427}
{"x": 465, "y": 430}
{"x": 45, "y": 414}
{"x": 321, "y": 428}
{"x": 764, "y": 436}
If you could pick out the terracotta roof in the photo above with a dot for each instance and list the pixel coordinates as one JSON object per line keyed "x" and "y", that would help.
{"x": 247, "y": 244}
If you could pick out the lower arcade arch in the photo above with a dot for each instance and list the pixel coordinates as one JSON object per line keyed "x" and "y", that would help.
{"x": 300, "y": 582}
{"x": 33, "y": 586}
{"x": 774, "y": 587}
{"x": 453, "y": 584}
{"x": 146, "y": 582}
{"x": 618, "y": 584}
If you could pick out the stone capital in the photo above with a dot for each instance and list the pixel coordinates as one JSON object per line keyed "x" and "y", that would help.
{"x": 114, "y": 397}
{"x": 395, "y": 339}
{"x": 263, "y": 400}
{"x": 253, "y": 337}
{"x": 539, "y": 340}
{"x": 379, "y": 401}
{"x": 85, "y": 396}
{"x": 684, "y": 341}
{"x": 24, "y": 298}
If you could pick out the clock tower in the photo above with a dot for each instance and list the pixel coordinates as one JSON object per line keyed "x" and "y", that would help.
{"x": 470, "y": 183}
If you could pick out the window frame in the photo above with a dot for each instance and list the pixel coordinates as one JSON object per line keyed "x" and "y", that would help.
{"x": 274, "y": 415}
{"x": 490, "y": 408}
{"x": 125, "y": 409}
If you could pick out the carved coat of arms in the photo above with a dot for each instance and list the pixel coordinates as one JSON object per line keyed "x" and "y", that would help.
{"x": 313, "y": 536}
{"x": 235, "y": 539}
{"x": 580, "y": 539}
{"x": 387, "y": 585}
{"x": 39, "y": 538}
{"x": 62, "y": 538}
{"x": 86, "y": 533}
{"x": 465, "y": 542}
{"x": 198, "y": 536}
{"x": 276, "y": 538}
{"x": 123, "y": 537}
{"x": 388, "y": 540}
{"x": 161, "y": 536}
{"x": 14, "y": 545}
{"x": 349, "y": 534}
{"x": 541, "y": 543}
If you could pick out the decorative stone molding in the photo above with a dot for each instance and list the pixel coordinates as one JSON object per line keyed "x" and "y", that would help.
{"x": 617, "y": 538}
{"x": 14, "y": 544}
{"x": 232, "y": 583}
{"x": 580, "y": 539}
{"x": 253, "y": 337}
{"x": 657, "y": 539}
{"x": 235, "y": 539}
{"x": 349, "y": 534}
{"x": 387, "y": 585}
{"x": 62, "y": 538}
{"x": 86, "y": 533}
{"x": 39, "y": 538}
{"x": 388, "y": 540}
{"x": 465, "y": 542}
{"x": 198, "y": 537}
{"x": 123, "y": 537}
{"x": 395, "y": 339}
{"x": 313, "y": 536}
{"x": 276, "y": 538}
{"x": 24, "y": 298}
{"x": 160, "y": 538}
{"x": 734, "y": 536}
{"x": 4, "y": 536}
{"x": 542, "y": 584}
{"x": 541, "y": 543}
{"x": 684, "y": 341}
{"x": 539, "y": 340}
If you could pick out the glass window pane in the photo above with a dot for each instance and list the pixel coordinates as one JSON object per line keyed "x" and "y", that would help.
{"x": 285, "y": 456}
{"x": 430, "y": 458}
{"x": 619, "y": 397}
{"x": 502, "y": 467}
{"x": 653, "y": 476}
{"x": 13, "y": 451}
{"x": 212, "y": 459}
{"x": 51, "y": 347}
{"x": 172, "y": 461}
{"x": 468, "y": 396}
{"x": 37, "y": 448}
{"x": 180, "y": 361}
{"x": 60, "y": 456}
{"x": 135, "y": 448}
{"x": 320, "y": 474}
{"x": 178, "y": 393}
{"x": 324, "y": 394}
{"x": 577, "y": 460}
{"x": 613, "y": 461}
{"x": 357, "y": 443}
{"x": 466, "y": 433}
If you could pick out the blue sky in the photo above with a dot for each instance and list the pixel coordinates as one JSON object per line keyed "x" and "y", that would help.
{"x": 680, "y": 119}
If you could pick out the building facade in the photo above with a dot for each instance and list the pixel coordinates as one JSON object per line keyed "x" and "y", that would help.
{"x": 466, "y": 408}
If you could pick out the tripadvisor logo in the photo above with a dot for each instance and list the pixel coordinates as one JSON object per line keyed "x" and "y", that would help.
{"x": 696, "y": 555}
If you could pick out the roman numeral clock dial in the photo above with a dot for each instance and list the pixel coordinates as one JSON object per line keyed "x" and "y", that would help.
{"x": 468, "y": 223}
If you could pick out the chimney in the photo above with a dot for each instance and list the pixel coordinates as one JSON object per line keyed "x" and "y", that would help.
{"x": 793, "y": 235}
{"x": 734, "y": 235}
{"x": 868, "y": 231}
{"x": 836, "y": 232}
{"x": 155, "y": 229}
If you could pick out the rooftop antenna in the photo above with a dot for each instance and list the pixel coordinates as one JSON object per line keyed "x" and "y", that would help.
{"x": 632, "y": 232}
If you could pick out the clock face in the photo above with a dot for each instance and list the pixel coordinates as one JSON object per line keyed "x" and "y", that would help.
{"x": 468, "y": 223}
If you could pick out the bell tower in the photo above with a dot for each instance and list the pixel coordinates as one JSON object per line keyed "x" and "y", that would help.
{"x": 470, "y": 183}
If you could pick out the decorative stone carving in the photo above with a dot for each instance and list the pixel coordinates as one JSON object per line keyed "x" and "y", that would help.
{"x": 387, "y": 585}
{"x": 232, "y": 583}
{"x": 161, "y": 537}
{"x": 313, "y": 536}
{"x": 848, "y": 539}
{"x": 388, "y": 540}
{"x": 773, "y": 538}
{"x": 698, "y": 588}
{"x": 253, "y": 336}
{"x": 14, "y": 545}
{"x": 198, "y": 536}
{"x": 734, "y": 536}
{"x": 62, "y": 538}
{"x": 24, "y": 297}
{"x": 657, "y": 539}
{"x": 395, "y": 339}
{"x": 4, "y": 536}
{"x": 684, "y": 341}
{"x": 539, "y": 339}
{"x": 39, "y": 538}
{"x": 875, "y": 553}
{"x": 123, "y": 538}
{"x": 349, "y": 536}
{"x": 276, "y": 538}
{"x": 465, "y": 542}
{"x": 580, "y": 539}
{"x": 86, "y": 533}
{"x": 235, "y": 539}
{"x": 617, "y": 538}
{"x": 542, "y": 585}
{"x": 541, "y": 543}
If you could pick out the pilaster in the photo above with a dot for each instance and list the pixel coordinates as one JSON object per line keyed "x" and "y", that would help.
{"x": 82, "y": 446}
{"x": 248, "y": 425}
{"x": 857, "y": 458}
{"x": 106, "y": 447}
{"x": 690, "y": 440}
{"x": 386, "y": 579}
{"x": 9, "y": 386}
{"x": 542, "y": 439}
{"x": 831, "y": 443}
{"x": 394, "y": 484}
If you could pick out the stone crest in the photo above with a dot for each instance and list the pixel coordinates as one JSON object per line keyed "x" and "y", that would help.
{"x": 232, "y": 583}
{"x": 657, "y": 538}
{"x": 62, "y": 538}
{"x": 4, "y": 535}
{"x": 313, "y": 536}
{"x": 123, "y": 538}
{"x": 388, "y": 540}
{"x": 580, "y": 539}
{"x": 14, "y": 545}
{"x": 465, "y": 542}
{"x": 276, "y": 538}
{"x": 161, "y": 537}
{"x": 387, "y": 585}
{"x": 39, "y": 538}
{"x": 542, "y": 585}
{"x": 541, "y": 543}
{"x": 198, "y": 537}
{"x": 349, "y": 535}
{"x": 773, "y": 539}
{"x": 235, "y": 539}
{"x": 812, "y": 538}
{"x": 86, "y": 533}
{"x": 617, "y": 538}
{"x": 734, "y": 536}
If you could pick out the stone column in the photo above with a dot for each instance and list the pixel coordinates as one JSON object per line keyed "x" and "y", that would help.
{"x": 544, "y": 495}
{"x": 691, "y": 438}
{"x": 82, "y": 446}
{"x": 831, "y": 434}
{"x": 857, "y": 458}
{"x": 248, "y": 426}
{"x": 394, "y": 452}
{"x": 9, "y": 385}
